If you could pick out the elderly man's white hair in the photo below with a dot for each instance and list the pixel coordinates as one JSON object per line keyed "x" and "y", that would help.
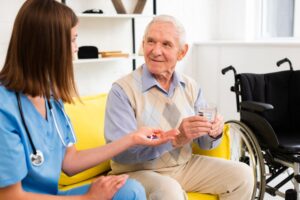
{"x": 170, "y": 19}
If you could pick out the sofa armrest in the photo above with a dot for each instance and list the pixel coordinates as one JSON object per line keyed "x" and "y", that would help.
{"x": 221, "y": 151}
{"x": 87, "y": 118}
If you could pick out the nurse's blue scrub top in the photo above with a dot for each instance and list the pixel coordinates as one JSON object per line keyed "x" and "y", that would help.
{"x": 15, "y": 149}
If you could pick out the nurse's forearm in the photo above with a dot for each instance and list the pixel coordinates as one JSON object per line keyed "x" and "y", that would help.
{"x": 77, "y": 161}
{"x": 15, "y": 192}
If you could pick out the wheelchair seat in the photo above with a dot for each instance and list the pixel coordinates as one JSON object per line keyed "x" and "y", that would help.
{"x": 267, "y": 137}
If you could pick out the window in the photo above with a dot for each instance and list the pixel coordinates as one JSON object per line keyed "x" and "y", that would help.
{"x": 277, "y": 18}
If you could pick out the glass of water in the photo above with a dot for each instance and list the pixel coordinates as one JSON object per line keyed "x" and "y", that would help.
{"x": 209, "y": 111}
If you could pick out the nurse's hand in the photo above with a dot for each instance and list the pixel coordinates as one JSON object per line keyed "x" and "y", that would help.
{"x": 153, "y": 137}
{"x": 105, "y": 187}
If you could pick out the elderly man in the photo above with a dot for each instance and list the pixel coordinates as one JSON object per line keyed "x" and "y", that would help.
{"x": 156, "y": 95}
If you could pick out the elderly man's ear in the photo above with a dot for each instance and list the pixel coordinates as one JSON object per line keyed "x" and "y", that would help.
{"x": 182, "y": 52}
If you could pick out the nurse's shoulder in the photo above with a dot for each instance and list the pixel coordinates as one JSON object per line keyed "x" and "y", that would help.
{"x": 8, "y": 99}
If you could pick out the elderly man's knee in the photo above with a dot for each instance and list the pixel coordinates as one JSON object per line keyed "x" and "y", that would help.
{"x": 241, "y": 183}
{"x": 243, "y": 174}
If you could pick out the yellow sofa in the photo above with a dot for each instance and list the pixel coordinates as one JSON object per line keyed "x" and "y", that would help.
{"x": 88, "y": 121}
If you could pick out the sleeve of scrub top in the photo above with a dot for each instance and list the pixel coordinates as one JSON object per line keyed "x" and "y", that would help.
{"x": 12, "y": 156}
{"x": 205, "y": 142}
{"x": 120, "y": 120}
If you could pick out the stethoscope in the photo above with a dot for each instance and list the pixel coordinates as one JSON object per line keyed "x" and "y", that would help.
{"x": 37, "y": 157}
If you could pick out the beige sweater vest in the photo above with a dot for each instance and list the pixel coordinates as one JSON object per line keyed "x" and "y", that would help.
{"x": 153, "y": 109}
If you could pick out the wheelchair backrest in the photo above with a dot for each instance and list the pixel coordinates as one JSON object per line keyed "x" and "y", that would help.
{"x": 295, "y": 100}
{"x": 280, "y": 89}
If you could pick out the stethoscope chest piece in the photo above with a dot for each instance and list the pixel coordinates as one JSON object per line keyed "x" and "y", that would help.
{"x": 37, "y": 159}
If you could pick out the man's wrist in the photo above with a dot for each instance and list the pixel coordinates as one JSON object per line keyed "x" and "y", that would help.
{"x": 180, "y": 139}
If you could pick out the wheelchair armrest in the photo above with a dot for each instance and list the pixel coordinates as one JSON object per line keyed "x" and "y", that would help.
{"x": 255, "y": 106}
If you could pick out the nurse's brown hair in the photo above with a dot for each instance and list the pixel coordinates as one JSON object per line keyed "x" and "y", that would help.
{"x": 39, "y": 56}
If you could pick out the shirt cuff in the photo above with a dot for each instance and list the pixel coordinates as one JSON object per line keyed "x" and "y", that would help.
{"x": 216, "y": 138}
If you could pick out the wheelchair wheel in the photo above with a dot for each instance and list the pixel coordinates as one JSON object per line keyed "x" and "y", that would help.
{"x": 244, "y": 148}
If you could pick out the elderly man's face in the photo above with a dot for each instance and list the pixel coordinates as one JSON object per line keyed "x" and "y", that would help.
{"x": 161, "y": 48}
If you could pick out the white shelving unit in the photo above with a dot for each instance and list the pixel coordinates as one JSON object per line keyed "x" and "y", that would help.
{"x": 126, "y": 16}
{"x": 108, "y": 32}
{"x": 95, "y": 18}
{"x": 100, "y": 60}
{"x": 122, "y": 17}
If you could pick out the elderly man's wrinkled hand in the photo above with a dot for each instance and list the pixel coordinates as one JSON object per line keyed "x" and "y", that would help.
{"x": 217, "y": 127}
{"x": 191, "y": 128}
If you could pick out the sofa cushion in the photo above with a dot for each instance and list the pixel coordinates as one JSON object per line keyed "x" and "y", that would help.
{"x": 198, "y": 196}
{"x": 87, "y": 118}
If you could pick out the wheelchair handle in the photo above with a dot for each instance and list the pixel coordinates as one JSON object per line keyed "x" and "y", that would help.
{"x": 280, "y": 62}
{"x": 233, "y": 88}
{"x": 226, "y": 69}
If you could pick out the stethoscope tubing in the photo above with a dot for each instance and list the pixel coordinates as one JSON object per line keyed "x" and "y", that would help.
{"x": 24, "y": 124}
{"x": 37, "y": 157}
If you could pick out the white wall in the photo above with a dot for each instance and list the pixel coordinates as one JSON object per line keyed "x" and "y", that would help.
{"x": 198, "y": 16}
{"x": 231, "y": 19}
{"x": 7, "y": 17}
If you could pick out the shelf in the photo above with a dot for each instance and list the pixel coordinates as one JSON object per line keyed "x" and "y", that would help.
{"x": 117, "y": 16}
{"x": 99, "y": 60}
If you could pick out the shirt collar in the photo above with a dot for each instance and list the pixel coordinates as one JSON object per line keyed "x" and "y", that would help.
{"x": 148, "y": 81}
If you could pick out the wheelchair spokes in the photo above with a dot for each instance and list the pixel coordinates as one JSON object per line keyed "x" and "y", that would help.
{"x": 244, "y": 149}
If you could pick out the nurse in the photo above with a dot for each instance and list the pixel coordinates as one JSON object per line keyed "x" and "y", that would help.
{"x": 36, "y": 137}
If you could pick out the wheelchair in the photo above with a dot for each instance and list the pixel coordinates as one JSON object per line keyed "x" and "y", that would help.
{"x": 267, "y": 136}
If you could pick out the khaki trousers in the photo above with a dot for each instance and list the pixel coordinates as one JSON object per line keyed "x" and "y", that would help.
{"x": 228, "y": 179}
